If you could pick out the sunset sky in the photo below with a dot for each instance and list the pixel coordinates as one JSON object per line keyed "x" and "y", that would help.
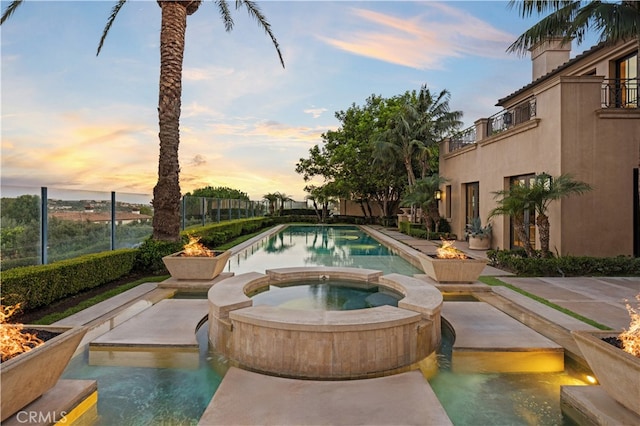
{"x": 76, "y": 121}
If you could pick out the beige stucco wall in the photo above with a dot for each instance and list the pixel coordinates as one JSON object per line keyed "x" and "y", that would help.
{"x": 570, "y": 133}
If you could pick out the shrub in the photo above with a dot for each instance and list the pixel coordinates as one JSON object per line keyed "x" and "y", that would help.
{"x": 150, "y": 254}
{"x": 36, "y": 286}
{"x": 517, "y": 262}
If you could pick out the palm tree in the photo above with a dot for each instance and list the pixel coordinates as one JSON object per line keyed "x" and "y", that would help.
{"x": 421, "y": 123}
{"x": 272, "y": 198}
{"x": 543, "y": 191}
{"x": 166, "y": 193}
{"x": 616, "y": 21}
{"x": 283, "y": 199}
{"x": 423, "y": 194}
{"x": 513, "y": 203}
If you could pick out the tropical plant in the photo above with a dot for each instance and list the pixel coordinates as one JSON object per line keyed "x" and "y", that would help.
{"x": 272, "y": 198}
{"x": 420, "y": 124}
{"x": 476, "y": 230}
{"x": 283, "y": 198}
{"x": 422, "y": 193}
{"x": 616, "y": 21}
{"x": 543, "y": 190}
{"x": 513, "y": 203}
{"x": 166, "y": 193}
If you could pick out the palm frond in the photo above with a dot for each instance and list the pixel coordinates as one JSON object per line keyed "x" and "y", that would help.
{"x": 528, "y": 7}
{"x": 556, "y": 24}
{"x": 256, "y": 13}
{"x": 112, "y": 17}
{"x": 8, "y": 11}
{"x": 223, "y": 7}
{"x": 615, "y": 21}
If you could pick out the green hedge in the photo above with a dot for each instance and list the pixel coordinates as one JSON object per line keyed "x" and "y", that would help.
{"x": 564, "y": 266}
{"x": 36, "y": 286}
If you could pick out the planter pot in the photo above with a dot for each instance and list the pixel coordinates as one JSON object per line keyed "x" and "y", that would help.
{"x": 476, "y": 243}
{"x": 27, "y": 376}
{"x": 617, "y": 371}
{"x": 452, "y": 270}
{"x": 196, "y": 267}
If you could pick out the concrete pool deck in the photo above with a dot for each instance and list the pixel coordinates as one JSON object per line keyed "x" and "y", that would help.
{"x": 600, "y": 299}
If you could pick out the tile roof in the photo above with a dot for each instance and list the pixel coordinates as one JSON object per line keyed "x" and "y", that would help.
{"x": 553, "y": 72}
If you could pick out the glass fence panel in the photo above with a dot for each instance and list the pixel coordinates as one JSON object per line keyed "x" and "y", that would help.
{"x": 134, "y": 219}
{"x": 20, "y": 227}
{"x": 79, "y": 223}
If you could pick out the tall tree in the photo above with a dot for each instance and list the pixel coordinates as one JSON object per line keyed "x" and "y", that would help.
{"x": 615, "y": 21}
{"x": 420, "y": 124}
{"x": 345, "y": 158}
{"x": 166, "y": 193}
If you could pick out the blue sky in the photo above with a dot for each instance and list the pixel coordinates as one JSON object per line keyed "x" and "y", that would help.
{"x": 76, "y": 121}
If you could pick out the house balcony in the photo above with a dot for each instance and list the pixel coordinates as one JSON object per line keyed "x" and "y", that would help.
{"x": 497, "y": 123}
{"x": 620, "y": 93}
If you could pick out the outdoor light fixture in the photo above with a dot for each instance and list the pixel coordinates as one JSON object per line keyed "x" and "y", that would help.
{"x": 438, "y": 195}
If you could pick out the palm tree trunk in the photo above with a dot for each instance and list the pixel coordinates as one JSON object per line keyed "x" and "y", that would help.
{"x": 543, "y": 228}
{"x": 166, "y": 193}
{"x": 519, "y": 227}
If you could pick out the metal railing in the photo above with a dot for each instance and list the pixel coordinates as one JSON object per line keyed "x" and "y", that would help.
{"x": 510, "y": 117}
{"x": 620, "y": 93}
{"x": 464, "y": 138}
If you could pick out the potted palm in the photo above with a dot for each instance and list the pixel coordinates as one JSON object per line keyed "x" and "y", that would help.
{"x": 479, "y": 236}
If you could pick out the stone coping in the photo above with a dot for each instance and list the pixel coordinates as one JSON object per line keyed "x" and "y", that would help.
{"x": 231, "y": 294}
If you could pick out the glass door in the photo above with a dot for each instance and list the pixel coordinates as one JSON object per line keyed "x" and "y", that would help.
{"x": 529, "y": 217}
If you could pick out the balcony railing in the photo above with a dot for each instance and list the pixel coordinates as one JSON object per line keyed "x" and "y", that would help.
{"x": 462, "y": 139}
{"x": 510, "y": 117}
{"x": 620, "y": 93}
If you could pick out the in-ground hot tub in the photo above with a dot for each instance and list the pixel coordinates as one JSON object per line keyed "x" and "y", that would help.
{"x": 317, "y": 344}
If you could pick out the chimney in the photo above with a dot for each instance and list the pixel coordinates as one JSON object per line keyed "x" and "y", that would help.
{"x": 548, "y": 55}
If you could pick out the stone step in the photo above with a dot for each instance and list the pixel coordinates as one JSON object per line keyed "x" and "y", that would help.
{"x": 162, "y": 336}
{"x": 488, "y": 340}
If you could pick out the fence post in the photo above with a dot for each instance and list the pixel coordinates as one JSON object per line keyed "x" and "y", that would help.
{"x": 44, "y": 225}
{"x": 113, "y": 220}
{"x": 203, "y": 209}
{"x": 184, "y": 209}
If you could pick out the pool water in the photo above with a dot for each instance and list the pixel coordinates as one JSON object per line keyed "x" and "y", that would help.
{"x": 326, "y": 296}
{"x": 305, "y": 245}
{"x": 132, "y": 396}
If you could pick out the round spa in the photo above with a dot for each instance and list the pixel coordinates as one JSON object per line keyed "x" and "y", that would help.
{"x": 324, "y": 344}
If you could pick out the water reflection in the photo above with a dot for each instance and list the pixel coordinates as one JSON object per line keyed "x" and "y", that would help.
{"x": 305, "y": 245}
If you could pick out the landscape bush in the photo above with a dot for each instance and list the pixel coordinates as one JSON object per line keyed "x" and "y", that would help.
{"x": 517, "y": 262}
{"x": 36, "y": 286}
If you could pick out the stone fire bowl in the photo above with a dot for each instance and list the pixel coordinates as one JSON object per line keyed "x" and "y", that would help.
{"x": 27, "y": 376}
{"x": 196, "y": 267}
{"x": 617, "y": 371}
{"x": 452, "y": 270}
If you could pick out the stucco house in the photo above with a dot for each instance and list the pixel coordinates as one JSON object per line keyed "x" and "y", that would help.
{"x": 579, "y": 116}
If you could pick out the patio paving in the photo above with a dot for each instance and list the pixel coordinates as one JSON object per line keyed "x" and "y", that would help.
{"x": 246, "y": 398}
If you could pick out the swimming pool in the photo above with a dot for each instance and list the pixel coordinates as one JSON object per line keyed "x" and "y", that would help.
{"x": 308, "y": 245}
{"x": 144, "y": 396}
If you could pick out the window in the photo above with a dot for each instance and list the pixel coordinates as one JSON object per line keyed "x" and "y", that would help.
{"x": 626, "y": 86}
{"x": 471, "y": 201}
